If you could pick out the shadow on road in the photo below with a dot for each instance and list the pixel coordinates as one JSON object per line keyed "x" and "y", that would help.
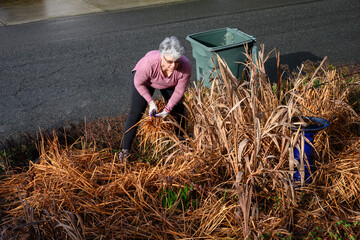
{"x": 293, "y": 61}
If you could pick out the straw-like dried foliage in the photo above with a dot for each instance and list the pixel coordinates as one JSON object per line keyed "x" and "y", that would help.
{"x": 154, "y": 132}
{"x": 230, "y": 176}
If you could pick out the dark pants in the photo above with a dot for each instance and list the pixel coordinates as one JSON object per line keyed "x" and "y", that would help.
{"x": 137, "y": 108}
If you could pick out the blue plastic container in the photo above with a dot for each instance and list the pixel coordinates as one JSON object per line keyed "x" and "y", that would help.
{"x": 314, "y": 125}
{"x": 308, "y": 154}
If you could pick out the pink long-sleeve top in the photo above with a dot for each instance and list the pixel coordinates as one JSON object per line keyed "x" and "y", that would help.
{"x": 149, "y": 74}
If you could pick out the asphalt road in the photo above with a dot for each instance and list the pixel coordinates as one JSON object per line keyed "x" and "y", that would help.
{"x": 80, "y": 67}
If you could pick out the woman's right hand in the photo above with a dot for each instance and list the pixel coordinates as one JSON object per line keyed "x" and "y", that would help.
{"x": 152, "y": 108}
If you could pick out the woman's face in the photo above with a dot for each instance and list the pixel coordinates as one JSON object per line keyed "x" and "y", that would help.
{"x": 169, "y": 63}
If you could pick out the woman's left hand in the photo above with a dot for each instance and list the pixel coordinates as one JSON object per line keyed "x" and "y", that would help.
{"x": 162, "y": 114}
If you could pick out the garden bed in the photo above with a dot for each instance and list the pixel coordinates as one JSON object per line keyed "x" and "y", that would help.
{"x": 230, "y": 177}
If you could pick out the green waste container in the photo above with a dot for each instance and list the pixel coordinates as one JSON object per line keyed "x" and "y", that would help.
{"x": 228, "y": 43}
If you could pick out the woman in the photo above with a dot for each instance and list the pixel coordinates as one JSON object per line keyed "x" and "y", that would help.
{"x": 165, "y": 69}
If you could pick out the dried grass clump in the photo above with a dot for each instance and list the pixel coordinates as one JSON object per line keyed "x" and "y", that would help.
{"x": 343, "y": 175}
{"x": 85, "y": 194}
{"x": 230, "y": 177}
{"x": 246, "y": 124}
{"x": 155, "y": 131}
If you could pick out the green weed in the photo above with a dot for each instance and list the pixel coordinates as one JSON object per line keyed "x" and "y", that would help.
{"x": 182, "y": 198}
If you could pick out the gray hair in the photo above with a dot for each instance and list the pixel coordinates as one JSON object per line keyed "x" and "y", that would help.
{"x": 171, "y": 46}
